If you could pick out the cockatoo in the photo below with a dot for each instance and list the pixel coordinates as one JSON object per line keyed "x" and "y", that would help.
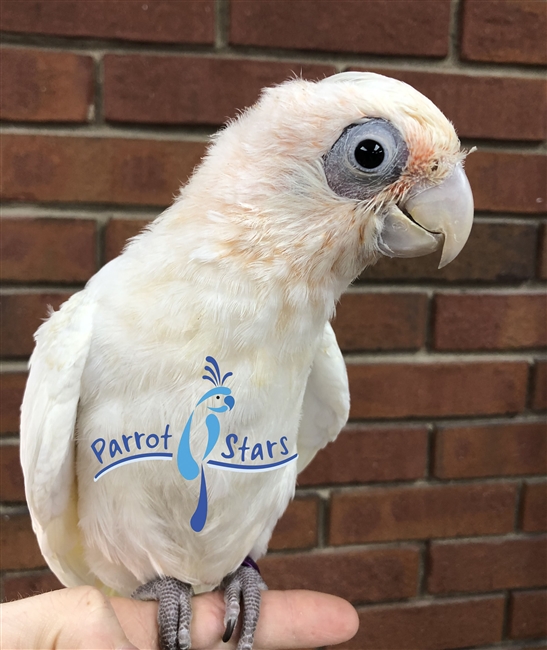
{"x": 171, "y": 404}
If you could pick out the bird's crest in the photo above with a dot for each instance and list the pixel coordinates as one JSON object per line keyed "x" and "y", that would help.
{"x": 214, "y": 375}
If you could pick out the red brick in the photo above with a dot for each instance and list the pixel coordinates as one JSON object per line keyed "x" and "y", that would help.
{"x": 140, "y": 88}
{"x": 534, "y": 507}
{"x": 297, "y": 528}
{"x": 490, "y": 321}
{"x": 508, "y": 182}
{"x": 372, "y": 321}
{"x": 151, "y": 21}
{"x": 23, "y": 586}
{"x": 12, "y": 387}
{"x": 116, "y": 234}
{"x": 372, "y": 27}
{"x": 504, "y": 31}
{"x": 542, "y": 266}
{"x": 18, "y": 545}
{"x": 491, "y": 450}
{"x": 539, "y": 398}
{"x": 502, "y": 252}
{"x": 429, "y": 626}
{"x": 528, "y": 614}
{"x": 42, "y": 86}
{"x": 96, "y": 170}
{"x": 47, "y": 250}
{"x": 20, "y": 316}
{"x": 436, "y": 389}
{"x": 364, "y": 455}
{"x": 11, "y": 475}
{"x": 384, "y": 514}
{"x": 487, "y": 566}
{"x": 521, "y": 103}
{"x": 364, "y": 575}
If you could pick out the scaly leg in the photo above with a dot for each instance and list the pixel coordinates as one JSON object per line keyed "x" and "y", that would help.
{"x": 174, "y": 610}
{"x": 244, "y": 583}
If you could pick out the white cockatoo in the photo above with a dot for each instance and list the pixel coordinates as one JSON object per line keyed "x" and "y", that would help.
{"x": 171, "y": 404}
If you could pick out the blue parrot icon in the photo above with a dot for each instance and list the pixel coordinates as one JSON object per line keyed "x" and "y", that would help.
{"x": 186, "y": 462}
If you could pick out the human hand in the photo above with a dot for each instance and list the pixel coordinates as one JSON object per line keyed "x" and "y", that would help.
{"x": 83, "y": 618}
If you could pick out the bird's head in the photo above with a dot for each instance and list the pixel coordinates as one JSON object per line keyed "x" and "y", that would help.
{"x": 322, "y": 178}
{"x": 218, "y": 399}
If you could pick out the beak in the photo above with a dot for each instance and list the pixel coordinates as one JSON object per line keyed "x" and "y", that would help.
{"x": 229, "y": 401}
{"x": 440, "y": 215}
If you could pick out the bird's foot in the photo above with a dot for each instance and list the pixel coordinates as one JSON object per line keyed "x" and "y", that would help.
{"x": 174, "y": 610}
{"x": 246, "y": 583}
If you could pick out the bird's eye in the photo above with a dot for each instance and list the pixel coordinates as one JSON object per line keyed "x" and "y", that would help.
{"x": 367, "y": 157}
{"x": 218, "y": 396}
{"x": 369, "y": 154}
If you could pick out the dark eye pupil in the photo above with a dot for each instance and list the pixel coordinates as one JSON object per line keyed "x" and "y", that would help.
{"x": 369, "y": 154}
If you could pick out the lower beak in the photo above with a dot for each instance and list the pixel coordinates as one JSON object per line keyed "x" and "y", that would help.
{"x": 435, "y": 217}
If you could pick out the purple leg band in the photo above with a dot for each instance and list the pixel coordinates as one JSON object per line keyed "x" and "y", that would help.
{"x": 248, "y": 561}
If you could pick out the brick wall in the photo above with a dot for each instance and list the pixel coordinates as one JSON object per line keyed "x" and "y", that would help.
{"x": 429, "y": 510}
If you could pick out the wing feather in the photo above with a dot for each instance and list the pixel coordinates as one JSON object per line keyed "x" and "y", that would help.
{"x": 48, "y": 418}
{"x": 326, "y": 400}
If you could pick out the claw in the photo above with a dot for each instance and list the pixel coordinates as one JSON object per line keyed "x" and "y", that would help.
{"x": 230, "y": 626}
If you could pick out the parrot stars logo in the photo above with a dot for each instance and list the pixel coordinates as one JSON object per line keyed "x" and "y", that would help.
{"x": 232, "y": 452}
{"x": 188, "y": 466}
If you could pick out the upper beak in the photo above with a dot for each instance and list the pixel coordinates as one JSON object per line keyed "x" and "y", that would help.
{"x": 440, "y": 215}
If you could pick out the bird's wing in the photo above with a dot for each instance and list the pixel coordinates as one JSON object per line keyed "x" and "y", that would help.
{"x": 326, "y": 400}
{"x": 48, "y": 418}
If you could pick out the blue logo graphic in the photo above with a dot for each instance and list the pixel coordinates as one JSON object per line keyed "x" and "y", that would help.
{"x": 234, "y": 452}
{"x": 186, "y": 462}
{"x": 130, "y": 449}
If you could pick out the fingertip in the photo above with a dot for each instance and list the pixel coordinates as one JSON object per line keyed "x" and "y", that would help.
{"x": 340, "y": 618}
{"x": 351, "y": 618}
{"x": 305, "y": 619}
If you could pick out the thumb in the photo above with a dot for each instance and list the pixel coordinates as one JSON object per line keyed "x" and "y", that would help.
{"x": 69, "y": 619}
{"x": 89, "y": 621}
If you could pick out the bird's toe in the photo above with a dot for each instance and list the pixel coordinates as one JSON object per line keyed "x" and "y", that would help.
{"x": 174, "y": 610}
{"x": 244, "y": 584}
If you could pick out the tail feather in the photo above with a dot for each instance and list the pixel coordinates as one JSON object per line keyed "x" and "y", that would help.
{"x": 200, "y": 515}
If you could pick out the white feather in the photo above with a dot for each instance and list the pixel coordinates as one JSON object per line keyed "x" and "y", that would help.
{"x": 326, "y": 400}
{"x": 47, "y": 444}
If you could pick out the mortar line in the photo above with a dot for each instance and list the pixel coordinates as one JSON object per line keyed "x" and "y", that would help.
{"x": 454, "y": 33}
{"x": 518, "y": 507}
{"x": 222, "y": 25}
{"x": 423, "y": 570}
{"x": 341, "y": 60}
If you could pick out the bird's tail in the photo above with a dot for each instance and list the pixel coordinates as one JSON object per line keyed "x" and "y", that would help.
{"x": 200, "y": 515}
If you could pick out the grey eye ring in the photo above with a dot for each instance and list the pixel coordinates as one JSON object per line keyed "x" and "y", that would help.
{"x": 368, "y": 156}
